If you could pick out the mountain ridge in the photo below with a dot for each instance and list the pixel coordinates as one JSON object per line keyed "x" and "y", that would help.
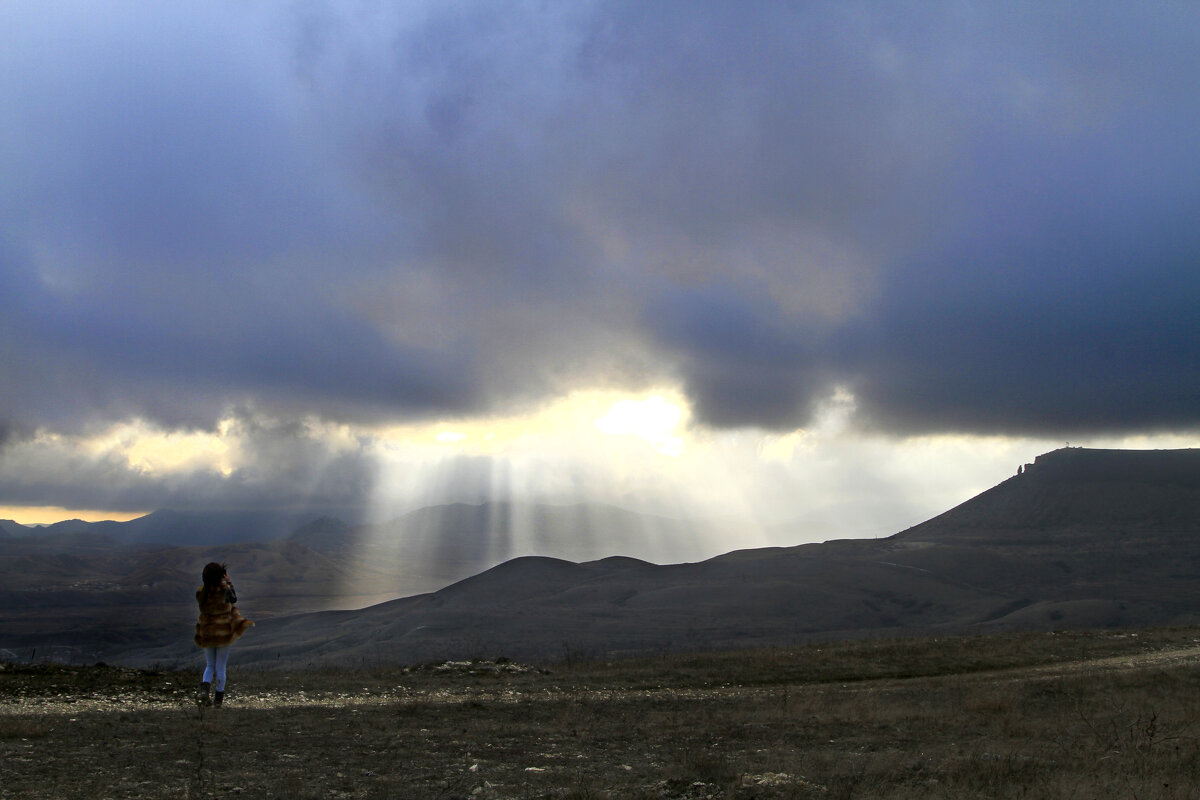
{"x": 1030, "y": 553}
{"x": 323, "y": 564}
{"x": 1077, "y": 539}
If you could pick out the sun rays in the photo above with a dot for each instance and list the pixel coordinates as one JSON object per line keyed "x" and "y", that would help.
{"x": 591, "y": 475}
{"x": 586, "y": 475}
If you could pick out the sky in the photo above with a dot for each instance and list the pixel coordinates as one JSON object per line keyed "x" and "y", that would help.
{"x": 835, "y": 267}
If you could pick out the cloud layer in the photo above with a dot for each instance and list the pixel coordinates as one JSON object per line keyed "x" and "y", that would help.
{"x": 973, "y": 218}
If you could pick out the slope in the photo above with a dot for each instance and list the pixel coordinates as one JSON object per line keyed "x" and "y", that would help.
{"x": 1081, "y": 538}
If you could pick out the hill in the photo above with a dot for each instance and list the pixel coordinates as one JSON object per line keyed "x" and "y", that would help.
{"x": 451, "y": 542}
{"x": 1079, "y": 539}
{"x": 1093, "y": 492}
{"x": 93, "y": 590}
{"x": 176, "y": 527}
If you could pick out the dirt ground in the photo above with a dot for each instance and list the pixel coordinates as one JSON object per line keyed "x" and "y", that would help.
{"x": 1108, "y": 716}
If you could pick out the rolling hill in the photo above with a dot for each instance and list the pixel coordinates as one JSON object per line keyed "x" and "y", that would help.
{"x": 92, "y": 590}
{"x": 1078, "y": 539}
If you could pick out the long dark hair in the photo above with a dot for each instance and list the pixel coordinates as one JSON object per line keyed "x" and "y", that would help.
{"x": 213, "y": 574}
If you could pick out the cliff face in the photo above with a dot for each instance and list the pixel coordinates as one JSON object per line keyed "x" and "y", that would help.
{"x": 1079, "y": 538}
{"x": 1075, "y": 490}
{"x": 1175, "y": 468}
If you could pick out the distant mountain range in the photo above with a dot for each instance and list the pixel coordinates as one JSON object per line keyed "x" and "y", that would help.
{"x": 479, "y": 536}
{"x": 171, "y": 527}
{"x": 1078, "y": 539}
{"x": 57, "y": 581}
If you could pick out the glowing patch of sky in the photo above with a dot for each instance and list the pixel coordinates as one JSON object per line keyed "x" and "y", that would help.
{"x": 654, "y": 419}
{"x": 46, "y": 515}
{"x": 149, "y": 449}
{"x": 638, "y": 451}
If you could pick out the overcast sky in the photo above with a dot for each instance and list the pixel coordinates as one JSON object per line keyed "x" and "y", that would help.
{"x": 842, "y": 262}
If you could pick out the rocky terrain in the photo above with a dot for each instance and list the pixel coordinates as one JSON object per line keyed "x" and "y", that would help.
{"x": 1100, "y": 715}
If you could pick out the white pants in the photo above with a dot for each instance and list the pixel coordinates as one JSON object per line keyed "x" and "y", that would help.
{"x": 215, "y": 659}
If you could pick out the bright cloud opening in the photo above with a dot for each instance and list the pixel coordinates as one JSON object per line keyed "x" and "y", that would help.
{"x": 149, "y": 449}
{"x": 653, "y": 419}
{"x": 640, "y": 452}
{"x": 587, "y": 445}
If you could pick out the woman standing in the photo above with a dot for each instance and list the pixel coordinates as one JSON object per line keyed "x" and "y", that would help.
{"x": 219, "y": 625}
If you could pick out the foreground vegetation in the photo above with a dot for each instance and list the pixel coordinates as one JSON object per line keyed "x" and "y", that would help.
{"x": 1095, "y": 715}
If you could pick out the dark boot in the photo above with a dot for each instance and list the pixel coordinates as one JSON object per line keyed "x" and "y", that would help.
{"x": 218, "y": 698}
{"x": 202, "y": 695}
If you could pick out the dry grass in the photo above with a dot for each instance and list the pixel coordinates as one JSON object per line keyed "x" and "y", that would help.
{"x": 1033, "y": 716}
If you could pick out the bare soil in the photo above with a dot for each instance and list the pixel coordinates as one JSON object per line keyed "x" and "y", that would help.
{"x": 1097, "y": 715}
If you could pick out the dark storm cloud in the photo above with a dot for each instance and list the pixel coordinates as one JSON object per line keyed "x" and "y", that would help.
{"x": 974, "y": 217}
{"x": 740, "y": 368}
{"x": 1047, "y": 290}
{"x": 1061, "y": 325}
{"x": 182, "y": 357}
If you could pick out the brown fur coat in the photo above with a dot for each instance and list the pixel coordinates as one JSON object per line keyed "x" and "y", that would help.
{"x": 220, "y": 623}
